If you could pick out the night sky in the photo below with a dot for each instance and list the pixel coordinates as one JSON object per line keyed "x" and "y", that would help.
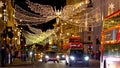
{"x": 54, "y": 3}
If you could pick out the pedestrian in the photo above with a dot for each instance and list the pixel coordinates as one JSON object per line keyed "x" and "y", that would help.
{"x": 3, "y": 56}
{"x": 97, "y": 55}
{"x": 93, "y": 54}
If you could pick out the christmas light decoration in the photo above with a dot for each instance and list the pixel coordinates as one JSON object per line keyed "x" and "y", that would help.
{"x": 21, "y": 10}
{"x": 28, "y": 17}
{"x": 46, "y": 13}
{"x": 45, "y": 10}
{"x": 93, "y": 18}
{"x": 34, "y": 30}
{"x": 41, "y": 38}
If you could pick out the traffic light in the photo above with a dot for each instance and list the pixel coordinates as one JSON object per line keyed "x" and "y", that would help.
{"x": 97, "y": 41}
{"x": 9, "y": 32}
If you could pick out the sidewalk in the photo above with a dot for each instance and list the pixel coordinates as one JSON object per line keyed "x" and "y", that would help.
{"x": 94, "y": 61}
{"x": 18, "y": 62}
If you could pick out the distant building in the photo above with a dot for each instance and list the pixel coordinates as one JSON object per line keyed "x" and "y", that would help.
{"x": 89, "y": 34}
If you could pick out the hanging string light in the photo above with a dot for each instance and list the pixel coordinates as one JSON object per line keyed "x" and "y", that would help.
{"x": 65, "y": 13}
{"x": 34, "y": 30}
{"x": 70, "y": 10}
{"x": 45, "y": 10}
{"x": 30, "y": 17}
{"x": 21, "y": 10}
{"x": 93, "y": 19}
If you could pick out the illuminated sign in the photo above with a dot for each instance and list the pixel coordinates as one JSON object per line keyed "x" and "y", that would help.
{"x": 75, "y": 46}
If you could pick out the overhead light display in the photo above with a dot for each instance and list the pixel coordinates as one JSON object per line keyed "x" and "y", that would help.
{"x": 45, "y": 13}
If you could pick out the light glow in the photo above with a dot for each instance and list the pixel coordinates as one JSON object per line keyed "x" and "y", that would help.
{"x": 72, "y": 57}
{"x": 47, "y": 56}
{"x": 86, "y": 58}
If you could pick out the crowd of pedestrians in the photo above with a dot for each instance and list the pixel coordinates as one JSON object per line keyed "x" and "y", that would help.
{"x": 9, "y": 54}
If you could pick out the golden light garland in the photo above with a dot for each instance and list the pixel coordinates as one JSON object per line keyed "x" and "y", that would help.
{"x": 41, "y": 38}
{"x": 45, "y": 10}
{"x": 26, "y": 16}
{"x": 34, "y": 30}
{"x": 93, "y": 18}
{"x": 23, "y": 11}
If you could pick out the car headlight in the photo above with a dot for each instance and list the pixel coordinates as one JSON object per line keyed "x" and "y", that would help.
{"x": 46, "y": 56}
{"x": 58, "y": 56}
{"x": 63, "y": 56}
{"x": 86, "y": 58}
{"x": 72, "y": 57}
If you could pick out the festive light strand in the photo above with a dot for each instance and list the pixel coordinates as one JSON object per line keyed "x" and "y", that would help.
{"x": 35, "y": 30}
{"x": 41, "y": 38}
{"x": 26, "y": 16}
{"x": 21, "y": 10}
{"x": 45, "y": 10}
{"x": 70, "y": 10}
{"x": 23, "y": 17}
{"x": 66, "y": 12}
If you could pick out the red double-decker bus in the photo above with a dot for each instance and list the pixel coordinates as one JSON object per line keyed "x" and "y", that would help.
{"x": 75, "y": 42}
{"x": 110, "y": 41}
{"x": 76, "y": 53}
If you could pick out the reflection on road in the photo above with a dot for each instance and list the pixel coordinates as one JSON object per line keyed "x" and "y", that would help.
{"x": 93, "y": 64}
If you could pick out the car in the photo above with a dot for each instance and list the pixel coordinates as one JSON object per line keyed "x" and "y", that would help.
{"x": 50, "y": 56}
{"x": 61, "y": 56}
{"x": 77, "y": 56}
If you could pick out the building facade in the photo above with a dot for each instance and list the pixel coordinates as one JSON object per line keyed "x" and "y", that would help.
{"x": 106, "y": 7}
{"x": 90, "y": 33}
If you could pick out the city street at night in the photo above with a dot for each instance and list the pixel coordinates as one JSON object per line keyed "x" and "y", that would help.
{"x": 59, "y": 33}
